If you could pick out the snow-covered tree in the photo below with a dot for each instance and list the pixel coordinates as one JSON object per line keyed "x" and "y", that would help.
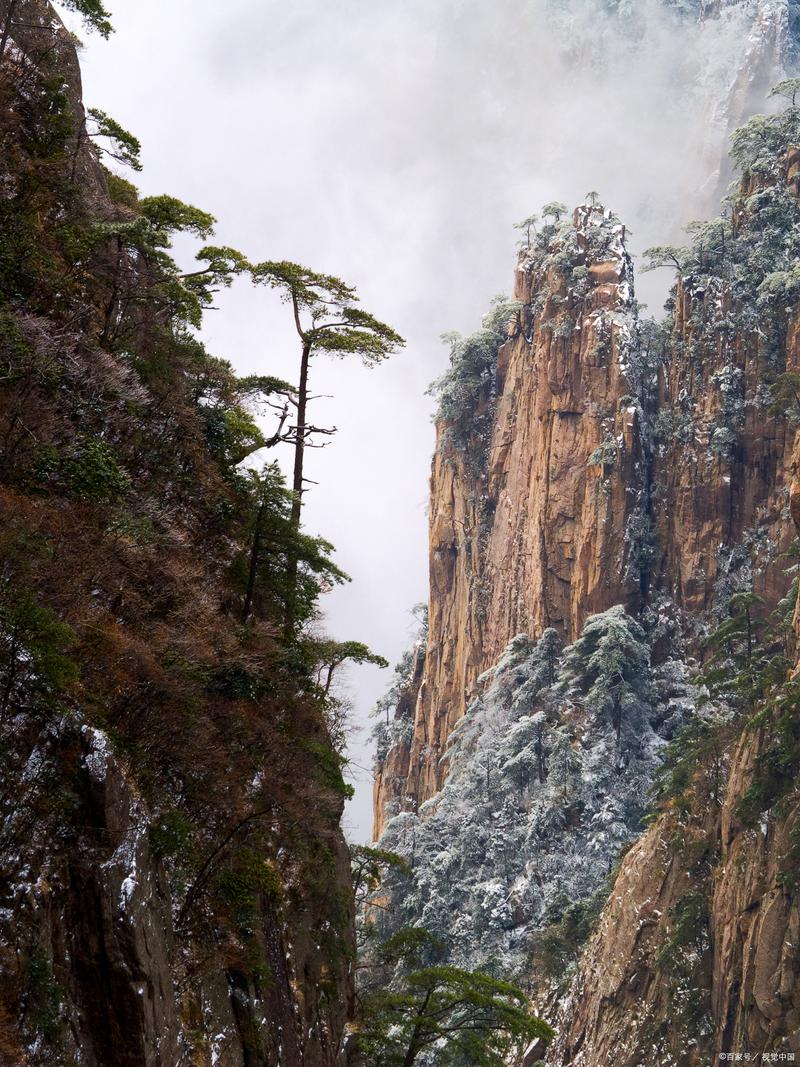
{"x": 608, "y": 670}
{"x": 549, "y": 774}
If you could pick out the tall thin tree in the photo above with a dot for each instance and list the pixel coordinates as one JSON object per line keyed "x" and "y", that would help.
{"x": 326, "y": 320}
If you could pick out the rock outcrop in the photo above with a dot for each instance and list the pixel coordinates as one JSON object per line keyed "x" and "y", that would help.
{"x": 622, "y": 466}
{"x": 88, "y": 932}
{"x": 696, "y": 954}
{"x": 526, "y": 531}
{"x": 620, "y": 463}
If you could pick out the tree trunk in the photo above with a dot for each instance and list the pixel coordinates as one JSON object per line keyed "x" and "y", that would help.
{"x": 7, "y": 26}
{"x": 78, "y": 144}
{"x": 300, "y": 443}
{"x": 410, "y": 1057}
{"x": 329, "y": 680}
{"x": 297, "y": 484}
{"x": 414, "y": 1048}
{"x": 105, "y": 336}
{"x": 251, "y": 576}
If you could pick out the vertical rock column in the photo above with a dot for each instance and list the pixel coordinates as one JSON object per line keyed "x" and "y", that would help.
{"x": 533, "y": 527}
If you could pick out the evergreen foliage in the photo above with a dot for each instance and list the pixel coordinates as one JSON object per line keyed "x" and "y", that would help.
{"x": 739, "y": 275}
{"x": 608, "y": 670}
{"x": 326, "y": 320}
{"x": 462, "y": 1017}
{"x": 93, "y": 13}
{"x": 368, "y": 866}
{"x": 747, "y": 687}
{"x": 775, "y": 776}
{"x": 43, "y": 1016}
{"x": 284, "y": 570}
{"x": 414, "y": 1008}
{"x": 332, "y": 654}
{"x": 548, "y": 776}
{"x": 123, "y": 146}
{"x": 34, "y": 643}
{"x": 747, "y": 658}
{"x": 22, "y": 14}
{"x": 785, "y": 394}
{"x": 753, "y": 247}
{"x": 556, "y": 947}
{"x": 465, "y": 393}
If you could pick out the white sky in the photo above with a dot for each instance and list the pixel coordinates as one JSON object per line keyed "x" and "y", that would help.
{"x": 394, "y": 143}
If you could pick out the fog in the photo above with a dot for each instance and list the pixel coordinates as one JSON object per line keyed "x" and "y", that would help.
{"x": 394, "y": 143}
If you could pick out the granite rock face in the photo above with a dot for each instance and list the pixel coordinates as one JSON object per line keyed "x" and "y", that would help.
{"x": 607, "y": 478}
{"x": 535, "y": 535}
{"x": 744, "y": 970}
{"x": 529, "y": 533}
{"x": 605, "y": 462}
{"x": 641, "y": 997}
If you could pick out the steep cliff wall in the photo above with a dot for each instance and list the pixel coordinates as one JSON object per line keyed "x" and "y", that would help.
{"x": 686, "y": 431}
{"x": 620, "y": 463}
{"x": 696, "y": 953}
{"x": 174, "y": 886}
{"x": 525, "y": 531}
{"x": 720, "y": 465}
{"x": 623, "y": 465}
{"x": 509, "y": 555}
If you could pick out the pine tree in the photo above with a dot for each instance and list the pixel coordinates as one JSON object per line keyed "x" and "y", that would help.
{"x": 330, "y": 655}
{"x": 608, "y": 670}
{"x": 467, "y": 1016}
{"x": 747, "y": 654}
{"x": 528, "y": 227}
{"x": 94, "y": 15}
{"x": 287, "y": 567}
{"x": 326, "y": 320}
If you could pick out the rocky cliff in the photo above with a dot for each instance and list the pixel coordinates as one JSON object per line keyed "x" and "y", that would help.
{"x": 696, "y": 952}
{"x": 695, "y": 956}
{"x": 174, "y": 886}
{"x": 591, "y": 468}
{"x": 525, "y": 532}
{"x": 621, "y": 464}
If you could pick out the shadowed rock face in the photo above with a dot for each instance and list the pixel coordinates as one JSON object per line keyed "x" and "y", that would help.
{"x": 101, "y": 914}
{"x": 105, "y": 908}
{"x": 103, "y": 963}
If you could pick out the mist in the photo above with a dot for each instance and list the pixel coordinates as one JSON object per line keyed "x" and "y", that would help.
{"x": 395, "y": 144}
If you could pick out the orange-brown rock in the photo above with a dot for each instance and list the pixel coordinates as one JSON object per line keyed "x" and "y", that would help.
{"x": 626, "y": 1006}
{"x": 712, "y": 502}
{"x": 537, "y": 538}
{"x": 541, "y": 535}
{"x": 621, "y": 1007}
